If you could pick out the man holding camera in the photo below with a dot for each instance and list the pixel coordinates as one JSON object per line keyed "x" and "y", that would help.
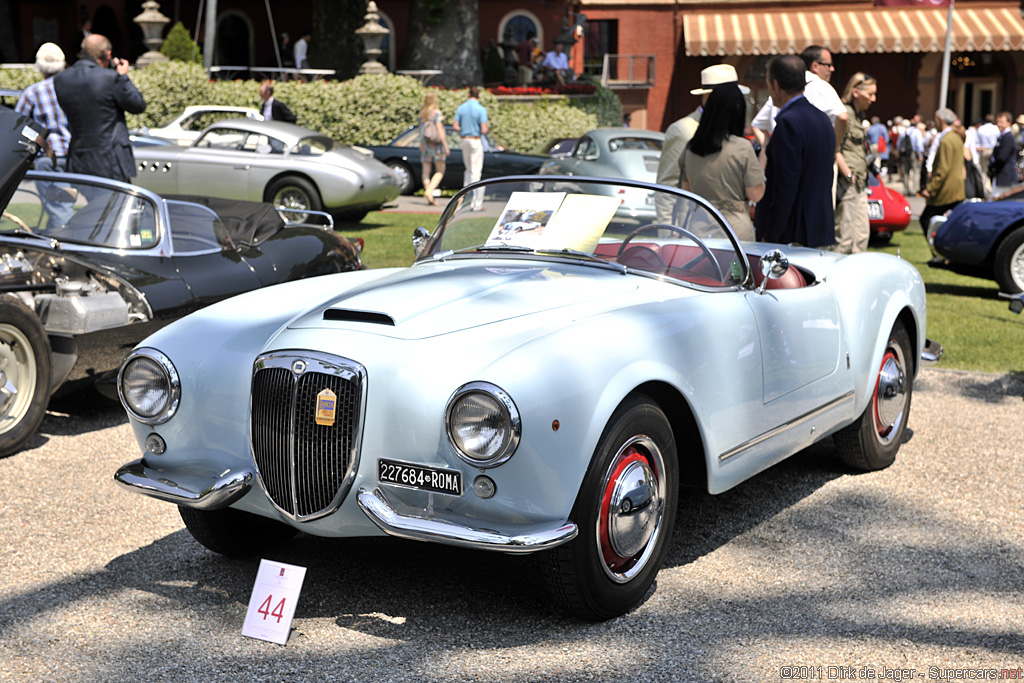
{"x": 95, "y": 93}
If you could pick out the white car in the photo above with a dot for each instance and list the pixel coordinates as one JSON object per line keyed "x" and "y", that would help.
{"x": 186, "y": 127}
{"x": 547, "y": 394}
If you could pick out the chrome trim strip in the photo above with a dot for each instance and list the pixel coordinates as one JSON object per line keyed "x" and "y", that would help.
{"x": 138, "y": 478}
{"x": 377, "y": 507}
{"x": 795, "y": 422}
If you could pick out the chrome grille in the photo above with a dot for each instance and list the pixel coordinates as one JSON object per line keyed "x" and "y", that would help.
{"x": 306, "y": 468}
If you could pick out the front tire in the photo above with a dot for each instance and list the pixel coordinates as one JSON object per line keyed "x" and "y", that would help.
{"x": 234, "y": 533}
{"x": 871, "y": 442}
{"x": 296, "y": 194}
{"x": 625, "y": 512}
{"x": 1009, "y": 263}
{"x": 24, "y": 374}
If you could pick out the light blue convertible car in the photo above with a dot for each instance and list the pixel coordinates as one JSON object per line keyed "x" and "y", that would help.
{"x": 525, "y": 391}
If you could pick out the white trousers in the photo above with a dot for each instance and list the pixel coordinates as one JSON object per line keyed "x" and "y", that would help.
{"x": 473, "y": 158}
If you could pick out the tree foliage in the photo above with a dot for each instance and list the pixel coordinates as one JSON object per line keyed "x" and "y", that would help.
{"x": 179, "y": 46}
{"x": 334, "y": 43}
{"x": 445, "y": 35}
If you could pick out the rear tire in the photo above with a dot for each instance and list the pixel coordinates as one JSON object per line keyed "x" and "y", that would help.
{"x": 1009, "y": 263}
{"x": 871, "y": 442}
{"x": 24, "y": 374}
{"x": 625, "y": 512}
{"x": 234, "y": 533}
{"x": 296, "y": 194}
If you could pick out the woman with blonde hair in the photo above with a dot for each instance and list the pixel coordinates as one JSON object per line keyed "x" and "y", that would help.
{"x": 433, "y": 146}
{"x": 853, "y": 228}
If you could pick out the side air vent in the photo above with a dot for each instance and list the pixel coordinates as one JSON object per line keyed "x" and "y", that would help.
{"x": 346, "y": 315}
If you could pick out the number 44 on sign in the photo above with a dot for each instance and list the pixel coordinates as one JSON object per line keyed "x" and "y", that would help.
{"x": 273, "y": 600}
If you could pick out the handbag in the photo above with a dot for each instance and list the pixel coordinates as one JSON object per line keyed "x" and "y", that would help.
{"x": 430, "y": 133}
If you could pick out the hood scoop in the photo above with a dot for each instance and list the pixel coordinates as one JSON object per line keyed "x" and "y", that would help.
{"x": 352, "y": 316}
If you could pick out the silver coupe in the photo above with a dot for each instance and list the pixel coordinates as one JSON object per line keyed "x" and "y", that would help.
{"x": 289, "y": 166}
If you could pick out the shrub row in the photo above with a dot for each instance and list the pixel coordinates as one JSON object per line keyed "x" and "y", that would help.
{"x": 367, "y": 109}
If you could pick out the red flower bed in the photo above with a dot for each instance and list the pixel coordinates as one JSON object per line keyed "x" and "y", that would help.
{"x": 570, "y": 89}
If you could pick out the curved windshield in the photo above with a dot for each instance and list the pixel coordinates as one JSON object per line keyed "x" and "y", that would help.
{"x": 631, "y": 226}
{"x": 73, "y": 211}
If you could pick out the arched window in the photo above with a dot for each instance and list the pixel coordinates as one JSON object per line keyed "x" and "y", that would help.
{"x": 234, "y": 45}
{"x": 522, "y": 22}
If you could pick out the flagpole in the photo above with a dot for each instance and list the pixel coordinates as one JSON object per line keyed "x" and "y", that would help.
{"x": 943, "y": 93}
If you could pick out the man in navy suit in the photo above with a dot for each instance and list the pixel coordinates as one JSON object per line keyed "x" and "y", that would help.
{"x": 797, "y": 204}
{"x": 272, "y": 109}
{"x": 95, "y": 98}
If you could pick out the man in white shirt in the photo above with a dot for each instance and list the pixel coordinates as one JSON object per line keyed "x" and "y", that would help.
{"x": 988, "y": 134}
{"x": 818, "y": 92}
{"x": 301, "y": 51}
{"x": 557, "y": 62}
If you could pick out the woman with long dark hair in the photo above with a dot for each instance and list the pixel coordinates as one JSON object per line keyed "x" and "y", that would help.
{"x": 719, "y": 164}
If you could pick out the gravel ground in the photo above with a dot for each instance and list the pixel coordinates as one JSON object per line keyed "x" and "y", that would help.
{"x": 915, "y": 572}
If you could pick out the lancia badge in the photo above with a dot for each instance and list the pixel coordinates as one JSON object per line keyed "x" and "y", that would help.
{"x": 326, "y": 402}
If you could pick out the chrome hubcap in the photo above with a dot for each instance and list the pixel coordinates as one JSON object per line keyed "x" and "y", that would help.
{"x": 1017, "y": 266}
{"x": 17, "y": 377}
{"x": 293, "y": 198}
{"x": 890, "y": 395}
{"x": 632, "y": 509}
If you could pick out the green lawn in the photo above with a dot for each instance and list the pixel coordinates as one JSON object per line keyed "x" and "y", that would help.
{"x": 965, "y": 314}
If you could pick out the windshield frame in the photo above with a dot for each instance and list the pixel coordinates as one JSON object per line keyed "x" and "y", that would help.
{"x": 429, "y": 252}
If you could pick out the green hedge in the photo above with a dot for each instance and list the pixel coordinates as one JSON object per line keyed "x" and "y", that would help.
{"x": 366, "y": 110}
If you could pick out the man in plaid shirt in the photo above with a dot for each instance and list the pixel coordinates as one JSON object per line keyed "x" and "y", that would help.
{"x": 39, "y": 101}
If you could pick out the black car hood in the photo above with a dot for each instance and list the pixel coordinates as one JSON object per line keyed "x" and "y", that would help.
{"x": 20, "y": 140}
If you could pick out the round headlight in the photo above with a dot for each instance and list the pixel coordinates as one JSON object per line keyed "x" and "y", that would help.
{"x": 483, "y": 424}
{"x": 149, "y": 387}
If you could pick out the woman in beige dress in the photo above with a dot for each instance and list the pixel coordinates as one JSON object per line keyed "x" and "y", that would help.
{"x": 432, "y": 155}
{"x": 719, "y": 164}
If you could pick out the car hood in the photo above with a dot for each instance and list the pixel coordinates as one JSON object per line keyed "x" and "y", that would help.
{"x": 432, "y": 299}
{"x": 18, "y": 140}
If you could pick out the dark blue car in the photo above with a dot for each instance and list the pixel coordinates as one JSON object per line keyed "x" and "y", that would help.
{"x": 984, "y": 239}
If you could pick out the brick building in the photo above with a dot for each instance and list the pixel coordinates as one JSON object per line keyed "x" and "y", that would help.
{"x": 650, "y": 51}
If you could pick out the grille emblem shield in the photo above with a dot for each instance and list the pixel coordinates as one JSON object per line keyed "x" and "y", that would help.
{"x": 299, "y": 367}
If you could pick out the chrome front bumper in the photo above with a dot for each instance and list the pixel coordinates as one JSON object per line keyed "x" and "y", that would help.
{"x": 135, "y": 476}
{"x": 380, "y": 511}
{"x": 932, "y": 353}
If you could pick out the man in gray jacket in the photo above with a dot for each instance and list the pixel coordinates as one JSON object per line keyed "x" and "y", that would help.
{"x": 94, "y": 98}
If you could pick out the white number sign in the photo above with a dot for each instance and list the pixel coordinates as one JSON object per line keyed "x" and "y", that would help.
{"x": 273, "y": 600}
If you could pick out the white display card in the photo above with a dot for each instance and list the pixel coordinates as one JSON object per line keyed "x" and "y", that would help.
{"x": 273, "y": 601}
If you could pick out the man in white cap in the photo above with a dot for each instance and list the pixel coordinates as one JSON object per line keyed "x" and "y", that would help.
{"x": 679, "y": 133}
{"x": 39, "y": 101}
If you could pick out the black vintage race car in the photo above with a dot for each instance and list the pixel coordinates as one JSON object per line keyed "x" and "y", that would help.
{"x": 404, "y": 157}
{"x": 90, "y": 266}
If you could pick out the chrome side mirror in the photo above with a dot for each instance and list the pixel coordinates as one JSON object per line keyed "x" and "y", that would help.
{"x": 773, "y": 265}
{"x": 420, "y": 237}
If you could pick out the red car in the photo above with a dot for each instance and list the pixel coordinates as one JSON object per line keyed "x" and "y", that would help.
{"x": 888, "y": 210}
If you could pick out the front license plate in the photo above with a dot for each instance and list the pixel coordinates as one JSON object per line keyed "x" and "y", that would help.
{"x": 875, "y": 212}
{"x": 418, "y": 477}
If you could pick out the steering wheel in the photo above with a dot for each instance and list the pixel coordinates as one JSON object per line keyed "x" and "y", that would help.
{"x": 20, "y": 223}
{"x": 706, "y": 253}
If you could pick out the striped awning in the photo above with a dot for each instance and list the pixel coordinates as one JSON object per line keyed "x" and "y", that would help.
{"x": 879, "y": 29}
